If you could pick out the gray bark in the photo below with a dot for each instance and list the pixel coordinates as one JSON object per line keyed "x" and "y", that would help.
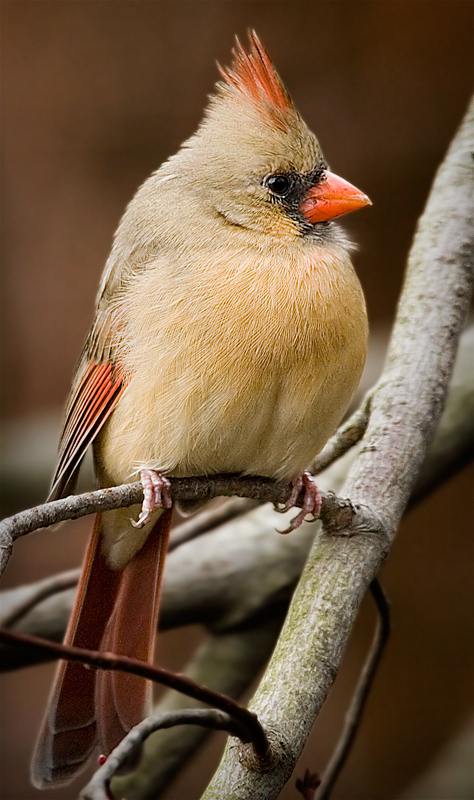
{"x": 405, "y": 410}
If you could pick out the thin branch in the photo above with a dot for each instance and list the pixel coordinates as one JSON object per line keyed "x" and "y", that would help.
{"x": 98, "y": 786}
{"x": 188, "y": 530}
{"x": 345, "y": 437}
{"x": 226, "y": 661}
{"x": 38, "y": 593}
{"x": 134, "y": 666}
{"x": 335, "y": 512}
{"x": 361, "y": 694}
{"x": 307, "y": 787}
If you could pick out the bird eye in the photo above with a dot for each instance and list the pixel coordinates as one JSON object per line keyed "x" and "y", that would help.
{"x": 279, "y": 184}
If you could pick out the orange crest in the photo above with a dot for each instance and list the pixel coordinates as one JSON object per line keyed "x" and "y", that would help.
{"x": 253, "y": 75}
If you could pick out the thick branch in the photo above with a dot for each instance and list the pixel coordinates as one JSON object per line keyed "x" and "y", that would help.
{"x": 404, "y": 413}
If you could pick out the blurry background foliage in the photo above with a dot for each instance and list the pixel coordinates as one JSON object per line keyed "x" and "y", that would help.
{"x": 95, "y": 95}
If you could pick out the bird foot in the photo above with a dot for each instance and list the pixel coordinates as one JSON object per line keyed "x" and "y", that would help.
{"x": 311, "y": 501}
{"x": 156, "y": 494}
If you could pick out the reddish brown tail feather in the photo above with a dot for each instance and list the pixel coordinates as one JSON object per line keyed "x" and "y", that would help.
{"x": 115, "y": 611}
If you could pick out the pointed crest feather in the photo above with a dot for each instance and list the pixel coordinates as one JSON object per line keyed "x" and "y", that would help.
{"x": 253, "y": 75}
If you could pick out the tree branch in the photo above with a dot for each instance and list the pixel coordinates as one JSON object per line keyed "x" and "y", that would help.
{"x": 226, "y": 661}
{"x": 98, "y": 786}
{"x": 335, "y": 512}
{"x": 182, "y": 683}
{"x": 405, "y": 410}
{"x": 255, "y": 565}
{"x": 346, "y": 437}
{"x": 361, "y": 694}
{"x": 37, "y": 593}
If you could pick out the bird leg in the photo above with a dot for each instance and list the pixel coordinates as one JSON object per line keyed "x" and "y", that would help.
{"x": 311, "y": 501}
{"x": 156, "y": 494}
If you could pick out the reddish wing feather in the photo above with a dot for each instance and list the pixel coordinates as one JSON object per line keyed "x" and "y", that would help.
{"x": 93, "y": 400}
{"x": 113, "y": 610}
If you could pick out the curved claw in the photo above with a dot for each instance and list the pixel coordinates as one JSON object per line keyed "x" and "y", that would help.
{"x": 311, "y": 501}
{"x": 156, "y": 494}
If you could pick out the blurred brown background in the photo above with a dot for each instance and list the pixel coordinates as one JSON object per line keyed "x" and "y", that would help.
{"x": 95, "y": 96}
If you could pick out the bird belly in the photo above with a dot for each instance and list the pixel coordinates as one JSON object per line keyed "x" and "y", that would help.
{"x": 249, "y": 379}
{"x": 263, "y": 421}
{"x": 257, "y": 392}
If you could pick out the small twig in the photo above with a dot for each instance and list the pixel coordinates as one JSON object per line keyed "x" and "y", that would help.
{"x": 345, "y": 437}
{"x": 209, "y": 519}
{"x": 39, "y": 592}
{"x": 98, "y": 786}
{"x": 307, "y": 787}
{"x": 356, "y": 709}
{"x": 134, "y": 666}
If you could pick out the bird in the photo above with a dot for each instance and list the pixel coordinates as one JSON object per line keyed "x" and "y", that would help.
{"x": 230, "y": 335}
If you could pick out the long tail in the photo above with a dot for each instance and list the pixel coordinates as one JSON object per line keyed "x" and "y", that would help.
{"x": 115, "y": 611}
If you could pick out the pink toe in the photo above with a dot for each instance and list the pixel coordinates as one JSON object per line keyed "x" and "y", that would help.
{"x": 311, "y": 500}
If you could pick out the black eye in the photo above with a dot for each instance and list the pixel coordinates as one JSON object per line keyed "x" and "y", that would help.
{"x": 279, "y": 184}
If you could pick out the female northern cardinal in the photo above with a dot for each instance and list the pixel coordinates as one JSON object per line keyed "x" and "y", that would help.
{"x": 230, "y": 335}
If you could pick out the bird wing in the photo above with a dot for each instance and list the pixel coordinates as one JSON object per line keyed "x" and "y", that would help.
{"x": 97, "y": 386}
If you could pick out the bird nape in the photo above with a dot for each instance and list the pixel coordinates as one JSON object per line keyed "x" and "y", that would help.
{"x": 230, "y": 335}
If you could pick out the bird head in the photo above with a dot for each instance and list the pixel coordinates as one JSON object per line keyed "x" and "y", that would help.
{"x": 254, "y": 161}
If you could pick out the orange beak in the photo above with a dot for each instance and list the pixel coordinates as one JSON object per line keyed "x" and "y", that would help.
{"x": 332, "y": 197}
